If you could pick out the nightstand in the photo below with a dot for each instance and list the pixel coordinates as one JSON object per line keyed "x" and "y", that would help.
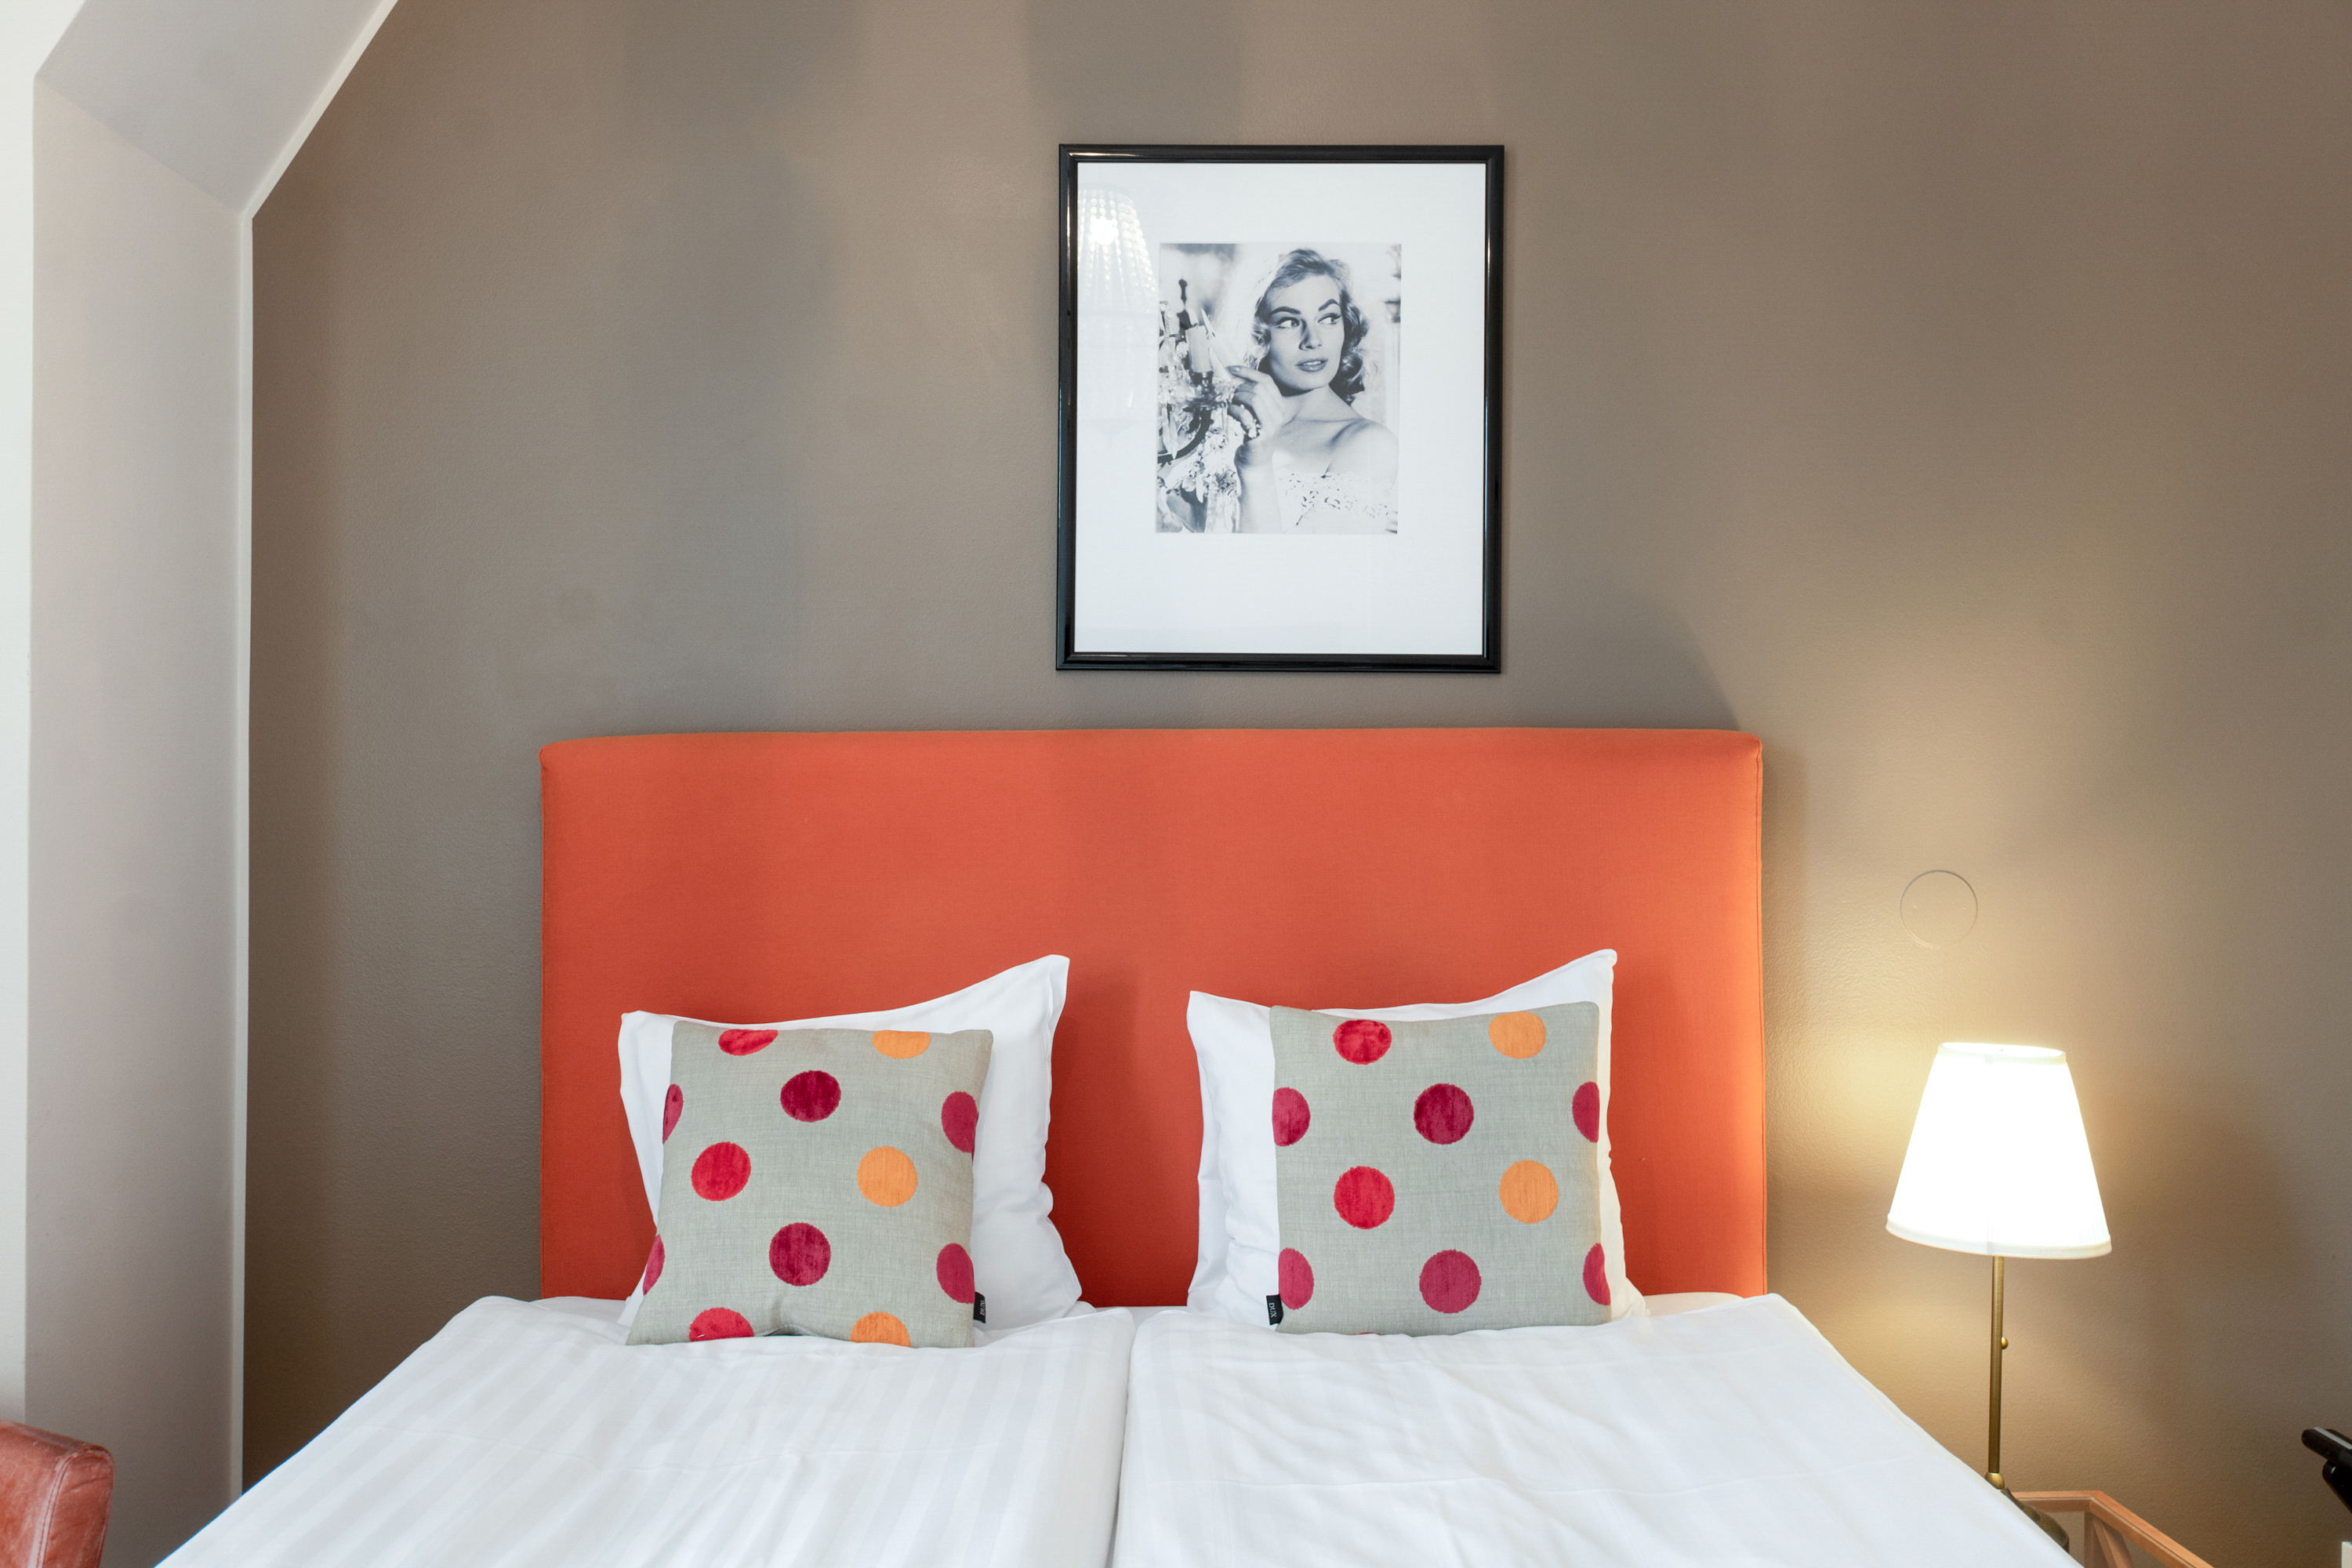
{"x": 2107, "y": 1525}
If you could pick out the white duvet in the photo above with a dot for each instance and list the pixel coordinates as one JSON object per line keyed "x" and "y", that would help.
{"x": 527, "y": 1435}
{"x": 1731, "y": 1437}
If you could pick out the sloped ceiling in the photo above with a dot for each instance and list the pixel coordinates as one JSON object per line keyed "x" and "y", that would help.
{"x": 220, "y": 91}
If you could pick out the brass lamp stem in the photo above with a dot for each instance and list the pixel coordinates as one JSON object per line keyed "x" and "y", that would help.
{"x": 1992, "y": 1426}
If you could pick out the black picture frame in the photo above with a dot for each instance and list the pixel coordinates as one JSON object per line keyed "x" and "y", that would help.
{"x": 1067, "y": 656}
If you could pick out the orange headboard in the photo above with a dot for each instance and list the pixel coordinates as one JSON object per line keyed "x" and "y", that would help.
{"x": 745, "y": 877}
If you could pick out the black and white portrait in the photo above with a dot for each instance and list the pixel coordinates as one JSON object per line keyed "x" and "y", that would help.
{"x": 1233, "y": 363}
{"x": 1278, "y": 366}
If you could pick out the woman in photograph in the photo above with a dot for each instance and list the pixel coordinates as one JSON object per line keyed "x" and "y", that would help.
{"x": 1309, "y": 462}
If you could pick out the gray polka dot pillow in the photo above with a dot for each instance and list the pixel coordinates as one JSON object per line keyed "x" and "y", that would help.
{"x": 1433, "y": 1177}
{"x": 815, "y": 1182}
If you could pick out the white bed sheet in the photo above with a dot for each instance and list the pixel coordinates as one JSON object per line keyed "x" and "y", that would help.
{"x": 1732, "y": 1436}
{"x": 526, "y": 1436}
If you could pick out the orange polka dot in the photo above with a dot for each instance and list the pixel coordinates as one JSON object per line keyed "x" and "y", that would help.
{"x": 1529, "y": 1192}
{"x": 886, "y": 1176}
{"x": 1517, "y": 1034}
{"x": 901, "y": 1043}
{"x": 879, "y": 1328}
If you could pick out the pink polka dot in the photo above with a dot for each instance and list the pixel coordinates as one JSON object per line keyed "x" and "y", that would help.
{"x": 1362, "y": 1040}
{"x": 1596, "y": 1276}
{"x": 1294, "y": 1278}
{"x": 1586, "y": 1108}
{"x": 653, "y": 1266}
{"x": 743, "y": 1042}
{"x": 959, "y": 1120}
{"x": 799, "y": 1253}
{"x": 810, "y": 1096}
{"x": 1290, "y": 1117}
{"x": 955, "y": 1273}
{"x": 1443, "y": 1113}
{"x": 719, "y": 1323}
{"x": 1449, "y": 1281}
{"x": 672, "y": 1104}
{"x": 721, "y": 1170}
{"x": 1363, "y": 1197}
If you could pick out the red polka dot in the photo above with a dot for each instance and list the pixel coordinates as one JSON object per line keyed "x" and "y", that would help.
{"x": 672, "y": 1103}
{"x": 810, "y": 1096}
{"x": 1296, "y": 1279}
{"x": 653, "y": 1266}
{"x": 1362, "y": 1040}
{"x": 959, "y": 1120}
{"x": 719, "y": 1323}
{"x": 799, "y": 1253}
{"x": 1596, "y": 1276}
{"x": 1363, "y": 1197}
{"x": 955, "y": 1273}
{"x": 743, "y": 1042}
{"x": 721, "y": 1170}
{"x": 1449, "y": 1281}
{"x": 1586, "y": 1108}
{"x": 1443, "y": 1113}
{"x": 1290, "y": 1117}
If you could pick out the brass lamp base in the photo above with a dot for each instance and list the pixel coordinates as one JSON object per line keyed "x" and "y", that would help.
{"x": 2049, "y": 1526}
{"x": 1992, "y": 1419}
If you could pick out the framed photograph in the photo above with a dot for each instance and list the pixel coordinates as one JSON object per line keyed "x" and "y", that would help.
{"x": 1279, "y": 375}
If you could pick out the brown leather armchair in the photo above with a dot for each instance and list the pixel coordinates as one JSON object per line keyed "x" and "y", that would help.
{"x": 54, "y": 1494}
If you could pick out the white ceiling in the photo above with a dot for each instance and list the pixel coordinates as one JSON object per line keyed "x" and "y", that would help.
{"x": 221, "y": 91}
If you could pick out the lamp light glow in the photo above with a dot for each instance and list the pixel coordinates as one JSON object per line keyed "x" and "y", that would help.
{"x": 1998, "y": 1164}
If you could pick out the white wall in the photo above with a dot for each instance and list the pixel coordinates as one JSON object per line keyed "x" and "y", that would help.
{"x": 30, "y": 30}
{"x": 135, "y": 554}
{"x": 156, "y": 128}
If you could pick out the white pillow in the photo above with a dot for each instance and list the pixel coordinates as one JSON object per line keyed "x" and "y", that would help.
{"x": 1017, "y": 1260}
{"x": 1241, "y": 1230}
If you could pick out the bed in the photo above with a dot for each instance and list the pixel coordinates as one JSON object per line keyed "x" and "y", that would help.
{"x": 529, "y": 1433}
{"x": 748, "y": 876}
{"x": 1729, "y": 1435}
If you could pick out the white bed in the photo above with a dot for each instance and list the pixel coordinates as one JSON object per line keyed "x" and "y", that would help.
{"x": 529, "y": 1435}
{"x": 1732, "y": 1434}
{"x": 1709, "y": 1430}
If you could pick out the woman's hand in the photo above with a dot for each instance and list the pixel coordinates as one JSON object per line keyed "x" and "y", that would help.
{"x": 1257, "y": 408}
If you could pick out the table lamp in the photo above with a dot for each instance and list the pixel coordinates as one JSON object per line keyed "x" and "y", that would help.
{"x": 1998, "y": 1164}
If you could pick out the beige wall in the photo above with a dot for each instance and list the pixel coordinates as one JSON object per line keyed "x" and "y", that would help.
{"x": 1956, "y": 396}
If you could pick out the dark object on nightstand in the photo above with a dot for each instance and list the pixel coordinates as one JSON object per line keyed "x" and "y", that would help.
{"x": 2337, "y": 1450}
{"x": 54, "y": 1494}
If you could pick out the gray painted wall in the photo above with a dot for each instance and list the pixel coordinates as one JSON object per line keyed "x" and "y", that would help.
{"x": 1953, "y": 396}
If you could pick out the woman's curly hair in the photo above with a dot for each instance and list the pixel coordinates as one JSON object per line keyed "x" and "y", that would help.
{"x": 1349, "y": 379}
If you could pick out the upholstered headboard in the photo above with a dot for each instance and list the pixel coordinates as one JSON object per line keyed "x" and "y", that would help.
{"x": 745, "y": 877}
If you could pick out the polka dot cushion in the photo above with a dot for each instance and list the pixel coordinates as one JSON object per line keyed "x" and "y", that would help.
{"x": 1434, "y": 1178}
{"x": 815, "y": 1182}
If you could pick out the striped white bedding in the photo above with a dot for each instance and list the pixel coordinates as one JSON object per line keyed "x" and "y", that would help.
{"x": 1732, "y": 1436}
{"x": 528, "y": 1435}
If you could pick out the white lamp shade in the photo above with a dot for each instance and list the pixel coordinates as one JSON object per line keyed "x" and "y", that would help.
{"x": 1998, "y": 1163}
